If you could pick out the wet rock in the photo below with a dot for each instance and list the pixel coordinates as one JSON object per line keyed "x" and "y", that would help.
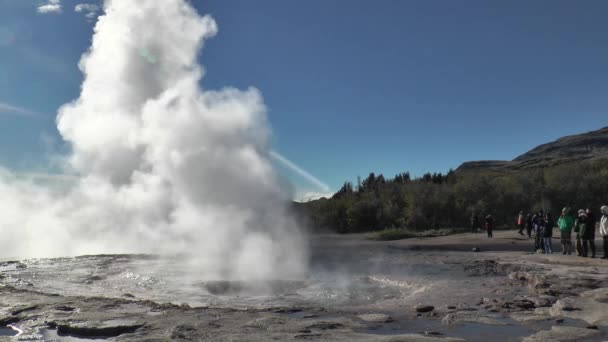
{"x": 562, "y": 306}
{"x": 424, "y": 308}
{"x": 306, "y": 336}
{"x": 24, "y": 309}
{"x": 563, "y": 333}
{"x": 93, "y": 278}
{"x": 483, "y": 268}
{"x": 533, "y": 280}
{"x": 110, "y": 328}
{"x": 184, "y": 332}
{"x": 265, "y": 323}
{"x": 64, "y": 308}
{"x": 525, "y": 304}
{"x": 326, "y": 326}
{"x": 585, "y": 308}
{"x": 599, "y": 295}
{"x": 4, "y": 321}
{"x": 287, "y": 310}
{"x": 376, "y": 318}
{"x": 544, "y": 301}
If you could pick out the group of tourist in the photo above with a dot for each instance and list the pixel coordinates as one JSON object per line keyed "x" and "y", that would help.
{"x": 540, "y": 227}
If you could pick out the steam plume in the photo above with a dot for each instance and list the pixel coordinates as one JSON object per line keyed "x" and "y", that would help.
{"x": 165, "y": 166}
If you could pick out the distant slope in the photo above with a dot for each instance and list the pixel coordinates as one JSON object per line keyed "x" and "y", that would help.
{"x": 591, "y": 145}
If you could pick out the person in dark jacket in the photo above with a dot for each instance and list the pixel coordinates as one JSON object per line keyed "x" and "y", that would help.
{"x": 588, "y": 234}
{"x": 529, "y": 225}
{"x": 538, "y": 221}
{"x": 548, "y": 233}
{"x": 579, "y": 227}
{"x": 489, "y": 225}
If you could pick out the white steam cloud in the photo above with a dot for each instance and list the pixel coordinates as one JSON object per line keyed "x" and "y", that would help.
{"x": 164, "y": 166}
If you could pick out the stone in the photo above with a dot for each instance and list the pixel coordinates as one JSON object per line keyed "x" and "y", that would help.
{"x": 424, "y": 308}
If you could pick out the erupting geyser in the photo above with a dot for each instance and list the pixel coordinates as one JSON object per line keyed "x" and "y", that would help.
{"x": 164, "y": 166}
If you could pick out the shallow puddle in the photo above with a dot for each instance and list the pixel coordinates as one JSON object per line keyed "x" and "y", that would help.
{"x": 7, "y": 331}
{"x": 50, "y": 335}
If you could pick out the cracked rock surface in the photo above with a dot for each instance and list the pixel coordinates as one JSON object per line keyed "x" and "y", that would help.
{"x": 432, "y": 289}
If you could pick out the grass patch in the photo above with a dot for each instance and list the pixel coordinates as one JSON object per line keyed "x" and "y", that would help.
{"x": 399, "y": 234}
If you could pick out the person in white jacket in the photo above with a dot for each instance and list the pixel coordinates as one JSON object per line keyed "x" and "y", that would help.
{"x": 604, "y": 230}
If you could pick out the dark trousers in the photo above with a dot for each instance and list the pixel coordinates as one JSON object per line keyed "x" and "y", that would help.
{"x": 521, "y": 229}
{"x": 591, "y": 246}
{"x": 489, "y": 230}
{"x": 605, "y": 246}
{"x": 529, "y": 230}
{"x": 538, "y": 240}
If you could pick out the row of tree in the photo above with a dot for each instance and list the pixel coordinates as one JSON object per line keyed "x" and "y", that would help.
{"x": 448, "y": 201}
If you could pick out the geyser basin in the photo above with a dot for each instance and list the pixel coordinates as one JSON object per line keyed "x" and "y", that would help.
{"x": 173, "y": 280}
{"x": 343, "y": 273}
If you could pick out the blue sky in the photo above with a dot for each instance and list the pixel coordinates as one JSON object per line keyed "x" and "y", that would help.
{"x": 351, "y": 86}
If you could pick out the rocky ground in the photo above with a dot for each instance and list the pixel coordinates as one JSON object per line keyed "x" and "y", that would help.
{"x": 434, "y": 289}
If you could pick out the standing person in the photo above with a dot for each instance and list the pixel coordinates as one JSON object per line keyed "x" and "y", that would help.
{"x": 529, "y": 225}
{"x": 520, "y": 223}
{"x": 474, "y": 223}
{"x": 489, "y": 225}
{"x": 588, "y": 234}
{"x": 604, "y": 230}
{"x": 579, "y": 227}
{"x": 538, "y": 221}
{"x": 565, "y": 224}
{"x": 548, "y": 234}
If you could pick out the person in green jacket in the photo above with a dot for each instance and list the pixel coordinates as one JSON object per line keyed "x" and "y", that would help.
{"x": 565, "y": 224}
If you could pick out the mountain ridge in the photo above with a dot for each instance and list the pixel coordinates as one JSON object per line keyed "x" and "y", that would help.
{"x": 568, "y": 149}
